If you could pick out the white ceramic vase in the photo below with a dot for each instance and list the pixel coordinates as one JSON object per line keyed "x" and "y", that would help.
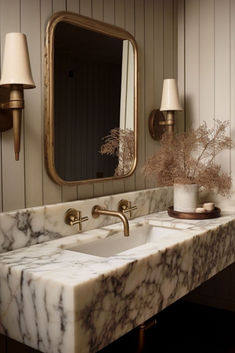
{"x": 185, "y": 197}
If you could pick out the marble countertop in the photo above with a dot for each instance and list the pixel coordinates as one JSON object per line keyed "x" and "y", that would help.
{"x": 56, "y": 300}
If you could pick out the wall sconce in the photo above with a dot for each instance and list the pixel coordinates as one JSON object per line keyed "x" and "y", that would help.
{"x": 16, "y": 75}
{"x": 158, "y": 124}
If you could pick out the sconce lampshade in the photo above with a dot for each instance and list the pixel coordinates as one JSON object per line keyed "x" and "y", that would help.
{"x": 16, "y": 65}
{"x": 170, "y": 96}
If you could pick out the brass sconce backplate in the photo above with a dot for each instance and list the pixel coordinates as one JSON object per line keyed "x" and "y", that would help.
{"x": 156, "y": 128}
{"x": 6, "y": 121}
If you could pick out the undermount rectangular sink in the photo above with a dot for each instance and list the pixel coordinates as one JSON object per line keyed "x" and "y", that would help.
{"x": 118, "y": 243}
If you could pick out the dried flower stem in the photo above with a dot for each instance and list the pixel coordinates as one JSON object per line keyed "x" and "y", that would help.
{"x": 190, "y": 158}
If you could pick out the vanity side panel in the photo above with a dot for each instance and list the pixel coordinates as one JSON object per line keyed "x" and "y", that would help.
{"x": 35, "y": 311}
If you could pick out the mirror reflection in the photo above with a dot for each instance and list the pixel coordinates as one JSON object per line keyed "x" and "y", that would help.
{"x": 94, "y": 101}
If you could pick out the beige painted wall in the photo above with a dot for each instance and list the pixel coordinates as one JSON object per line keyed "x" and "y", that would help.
{"x": 25, "y": 183}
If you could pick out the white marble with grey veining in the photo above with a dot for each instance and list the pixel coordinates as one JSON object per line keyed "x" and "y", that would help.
{"x": 61, "y": 301}
{"x": 39, "y": 224}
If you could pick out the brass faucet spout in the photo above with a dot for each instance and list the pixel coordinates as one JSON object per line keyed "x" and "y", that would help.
{"x": 98, "y": 210}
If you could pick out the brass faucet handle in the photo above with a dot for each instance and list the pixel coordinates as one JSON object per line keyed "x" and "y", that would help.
{"x": 73, "y": 217}
{"x": 124, "y": 206}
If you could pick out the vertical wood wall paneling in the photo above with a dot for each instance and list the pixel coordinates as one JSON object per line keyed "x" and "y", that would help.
{"x": 192, "y": 51}
{"x": 85, "y": 8}
{"x": 129, "y": 183}
{"x": 51, "y": 191}
{"x": 30, "y": 25}
{"x": 98, "y": 9}
{"x": 158, "y": 57}
{"x": 168, "y": 39}
{"x": 119, "y": 20}
{"x": 98, "y": 14}
{"x": 150, "y": 100}
{"x": 120, "y": 13}
{"x": 139, "y": 36}
{"x": 85, "y": 191}
{"x": 109, "y": 11}
{"x": 180, "y": 22}
{"x": 222, "y": 70}
{"x": 70, "y": 193}
{"x": 109, "y": 18}
{"x": 232, "y": 92}
{"x": 175, "y": 37}
{"x": 73, "y": 6}
{"x": 58, "y": 5}
{"x": 207, "y": 67}
{"x": 1, "y": 48}
{"x": 13, "y": 184}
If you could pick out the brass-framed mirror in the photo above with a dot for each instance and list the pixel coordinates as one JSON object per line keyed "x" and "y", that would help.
{"x": 90, "y": 100}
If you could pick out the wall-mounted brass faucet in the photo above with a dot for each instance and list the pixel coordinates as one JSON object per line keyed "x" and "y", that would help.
{"x": 98, "y": 210}
{"x": 73, "y": 217}
{"x": 124, "y": 206}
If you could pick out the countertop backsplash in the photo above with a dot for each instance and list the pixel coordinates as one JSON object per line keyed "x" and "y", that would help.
{"x": 36, "y": 225}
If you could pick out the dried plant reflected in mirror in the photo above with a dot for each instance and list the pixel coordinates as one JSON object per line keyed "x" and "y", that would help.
{"x": 92, "y": 93}
{"x": 119, "y": 144}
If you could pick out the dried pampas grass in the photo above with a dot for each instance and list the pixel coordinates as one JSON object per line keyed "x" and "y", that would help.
{"x": 190, "y": 158}
{"x": 120, "y": 143}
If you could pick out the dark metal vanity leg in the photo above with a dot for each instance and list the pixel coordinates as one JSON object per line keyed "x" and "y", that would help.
{"x": 141, "y": 336}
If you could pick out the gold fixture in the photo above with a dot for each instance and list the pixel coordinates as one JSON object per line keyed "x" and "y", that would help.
{"x": 158, "y": 124}
{"x": 141, "y": 337}
{"x": 124, "y": 206}
{"x": 73, "y": 217}
{"x": 16, "y": 75}
{"x": 98, "y": 27}
{"x": 98, "y": 210}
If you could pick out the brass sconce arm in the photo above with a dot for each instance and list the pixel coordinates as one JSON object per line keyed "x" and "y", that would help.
{"x": 15, "y": 105}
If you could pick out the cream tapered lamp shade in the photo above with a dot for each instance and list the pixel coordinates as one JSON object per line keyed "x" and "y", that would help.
{"x": 170, "y": 96}
{"x": 16, "y": 75}
{"x": 16, "y": 65}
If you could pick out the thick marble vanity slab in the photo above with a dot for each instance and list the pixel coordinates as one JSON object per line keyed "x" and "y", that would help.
{"x": 57, "y": 300}
{"x": 39, "y": 224}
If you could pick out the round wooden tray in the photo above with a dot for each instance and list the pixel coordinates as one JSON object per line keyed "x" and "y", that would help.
{"x": 188, "y": 215}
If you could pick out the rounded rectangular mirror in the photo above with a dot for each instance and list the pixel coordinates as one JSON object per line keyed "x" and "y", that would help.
{"x": 91, "y": 100}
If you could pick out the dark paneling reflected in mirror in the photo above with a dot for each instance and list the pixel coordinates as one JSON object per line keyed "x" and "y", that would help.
{"x": 92, "y": 90}
{"x": 87, "y": 91}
